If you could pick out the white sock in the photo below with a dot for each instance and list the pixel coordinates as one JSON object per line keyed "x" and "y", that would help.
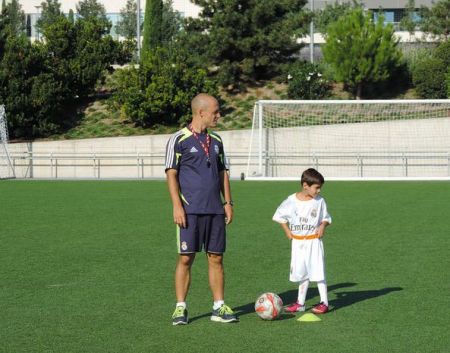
{"x": 302, "y": 289}
{"x": 322, "y": 287}
{"x": 218, "y": 304}
{"x": 183, "y": 304}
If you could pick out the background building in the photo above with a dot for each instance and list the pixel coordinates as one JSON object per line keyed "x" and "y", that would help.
{"x": 32, "y": 9}
{"x": 392, "y": 10}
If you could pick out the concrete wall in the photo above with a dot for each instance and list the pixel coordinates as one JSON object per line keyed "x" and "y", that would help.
{"x": 143, "y": 156}
{"x": 393, "y": 148}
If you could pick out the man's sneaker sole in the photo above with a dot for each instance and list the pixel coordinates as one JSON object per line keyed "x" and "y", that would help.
{"x": 180, "y": 323}
{"x": 220, "y": 319}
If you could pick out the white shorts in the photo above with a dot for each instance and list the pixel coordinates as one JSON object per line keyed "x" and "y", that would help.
{"x": 307, "y": 260}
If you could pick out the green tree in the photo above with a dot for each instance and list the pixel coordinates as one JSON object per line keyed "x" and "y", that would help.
{"x": 247, "y": 41}
{"x": 59, "y": 51}
{"x": 31, "y": 93}
{"x": 437, "y": 19}
{"x": 331, "y": 13}
{"x": 160, "y": 91}
{"x": 28, "y": 25}
{"x": 127, "y": 24}
{"x": 152, "y": 26}
{"x": 171, "y": 23}
{"x": 71, "y": 16}
{"x": 4, "y": 22}
{"x": 94, "y": 54}
{"x": 51, "y": 11}
{"x": 409, "y": 19}
{"x": 14, "y": 87}
{"x": 39, "y": 81}
{"x": 91, "y": 8}
{"x": 361, "y": 51}
{"x": 13, "y": 18}
{"x": 95, "y": 50}
{"x": 95, "y": 11}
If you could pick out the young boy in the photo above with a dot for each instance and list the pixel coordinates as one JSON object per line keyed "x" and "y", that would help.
{"x": 304, "y": 217}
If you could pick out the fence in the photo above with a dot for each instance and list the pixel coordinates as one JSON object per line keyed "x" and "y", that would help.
{"x": 151, "y": 165}
{"x": 98, "y": 165}
{"x": 404, "y": 165}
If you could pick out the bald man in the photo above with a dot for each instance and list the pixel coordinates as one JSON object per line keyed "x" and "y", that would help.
{"x": 199, "y": 187}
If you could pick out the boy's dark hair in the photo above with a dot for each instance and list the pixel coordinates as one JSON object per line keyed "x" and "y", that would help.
{"x": 311, "y": 176}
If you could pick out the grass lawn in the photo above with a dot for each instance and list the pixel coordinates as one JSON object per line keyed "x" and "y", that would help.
{"x": 87, "y": 266}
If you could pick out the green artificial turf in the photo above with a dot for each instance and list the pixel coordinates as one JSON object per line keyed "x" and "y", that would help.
{"x": 87, "y": 266}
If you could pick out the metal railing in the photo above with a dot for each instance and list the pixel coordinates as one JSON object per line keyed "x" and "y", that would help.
{"x": 405, "y": 164}
{"x": 96, "y": 165}
{"x": 151, "y": 165}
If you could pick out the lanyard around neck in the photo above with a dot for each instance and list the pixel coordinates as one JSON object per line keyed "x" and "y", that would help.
{"x": 205, "y": 147}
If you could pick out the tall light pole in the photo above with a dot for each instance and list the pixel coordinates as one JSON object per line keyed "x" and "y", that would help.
{"x": 138, "y": 29}
{"x": 311, "y": 34}
{"x": 38, "y": 7}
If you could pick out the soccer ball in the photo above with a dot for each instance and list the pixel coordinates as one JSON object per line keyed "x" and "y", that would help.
{"x": 268, "y": 306}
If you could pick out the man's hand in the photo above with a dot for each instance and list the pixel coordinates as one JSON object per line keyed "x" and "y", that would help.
{"x": 179, "y": 216}
{"x": 228, "y": 213}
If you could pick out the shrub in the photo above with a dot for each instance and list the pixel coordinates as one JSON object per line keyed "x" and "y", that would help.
{"x": 414, "y": 57}
{"x": 160, "y": 91}
{"x": 305, "y": 81}
{"x": 429, "y": 78}
{"x": 448, "y": 83}
{"x": 442, "y": 52}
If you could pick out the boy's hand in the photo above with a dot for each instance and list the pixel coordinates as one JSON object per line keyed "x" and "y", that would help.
{"x": 289, "y": 235}
{"x": 286, "y": 230}
{"x": 321, "y": 229}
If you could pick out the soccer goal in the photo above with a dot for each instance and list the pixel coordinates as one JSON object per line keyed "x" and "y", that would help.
{"x": 6, "y": 168}
{"x": 346, "y": 139}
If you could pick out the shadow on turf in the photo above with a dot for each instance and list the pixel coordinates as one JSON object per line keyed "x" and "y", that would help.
{"x": 291, "y": 295}
{"x": 343, "y": 299}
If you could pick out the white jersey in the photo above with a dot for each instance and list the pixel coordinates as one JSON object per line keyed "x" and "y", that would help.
{"x": 304, "y": 217}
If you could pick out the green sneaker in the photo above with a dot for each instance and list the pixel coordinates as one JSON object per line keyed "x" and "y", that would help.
{"x": 224, "y": 314}
{"x": 180, "y": 316}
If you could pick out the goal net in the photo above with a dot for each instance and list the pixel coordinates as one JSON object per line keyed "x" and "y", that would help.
{"x": 6, "y": 168}
{"x": 366, "y": 139}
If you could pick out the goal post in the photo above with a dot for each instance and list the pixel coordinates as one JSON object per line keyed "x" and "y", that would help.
{"x": 350, "y": 139}
{"x": 6, "y": 168}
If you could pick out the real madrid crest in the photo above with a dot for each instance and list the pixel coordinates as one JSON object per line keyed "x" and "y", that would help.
{"x": 183, "y": 246}
{"x": 314, "y": 213}
{"x": 216, "y": 149}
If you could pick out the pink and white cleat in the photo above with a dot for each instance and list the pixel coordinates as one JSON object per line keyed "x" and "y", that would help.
{"x": 294, "y": 308}
{"x": 320, "y": 308}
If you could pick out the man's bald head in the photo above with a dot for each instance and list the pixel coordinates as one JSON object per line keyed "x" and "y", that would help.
{"x": 202, "y": 101}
